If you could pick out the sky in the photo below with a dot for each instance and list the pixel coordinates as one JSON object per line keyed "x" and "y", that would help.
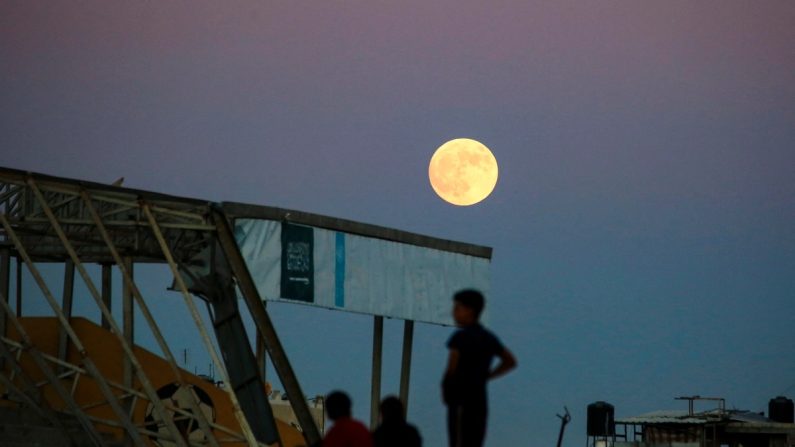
{"x": 642, "y": 223}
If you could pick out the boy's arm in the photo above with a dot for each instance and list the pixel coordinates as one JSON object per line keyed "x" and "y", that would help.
{"x": 507, "y": 363}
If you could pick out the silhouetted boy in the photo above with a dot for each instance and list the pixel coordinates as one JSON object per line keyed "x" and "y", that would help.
{"x": 394, "y": 431}
{"x": 346, "y": 431}
{"x": 472, "y": 350}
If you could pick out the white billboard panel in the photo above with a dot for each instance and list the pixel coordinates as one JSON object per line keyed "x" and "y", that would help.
{"x": 351, "y": 272}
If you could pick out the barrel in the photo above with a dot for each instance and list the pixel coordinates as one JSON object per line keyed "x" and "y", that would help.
{"x": 780, "y": 409}
{"x": 601, "y": 420}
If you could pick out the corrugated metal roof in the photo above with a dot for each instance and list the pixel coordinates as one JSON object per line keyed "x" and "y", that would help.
{"x": 662, "y": 417}
{"x": 749, "y": 417}
{"x": 682, "y": 417}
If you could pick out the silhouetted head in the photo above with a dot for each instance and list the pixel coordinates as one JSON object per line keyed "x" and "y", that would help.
{"x": 391, "y": 410}
{"x": 338, "y": 405}
{"x": 467, "y": 306}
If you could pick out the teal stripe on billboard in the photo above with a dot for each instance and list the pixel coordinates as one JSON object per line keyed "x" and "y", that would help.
{"x": 339, "y": 271}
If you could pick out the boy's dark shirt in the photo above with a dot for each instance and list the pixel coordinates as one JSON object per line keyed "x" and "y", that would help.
{"x": 400, "y": 434}
{"x": 476, "y": 348}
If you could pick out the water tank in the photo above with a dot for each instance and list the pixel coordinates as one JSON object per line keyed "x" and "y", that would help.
{"x": 601, "y": 419}
{"x": 780, "y": 410}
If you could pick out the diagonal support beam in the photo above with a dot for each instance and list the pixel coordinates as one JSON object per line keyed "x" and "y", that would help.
{"x": 31, "y": 396}
{"x": 241, "y": 418}
{"x": 265, "y": 327}
{"x": 107, "y": 317}
{"x": 52, "y": 378}
{"x": 91, "y": 368}
{"x": 132, "y": 289}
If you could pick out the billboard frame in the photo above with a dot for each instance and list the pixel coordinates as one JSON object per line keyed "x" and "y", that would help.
{"x": 234, "y": 210}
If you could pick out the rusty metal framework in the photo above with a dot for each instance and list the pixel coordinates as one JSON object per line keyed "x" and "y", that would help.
{"x": 48, "y": 219}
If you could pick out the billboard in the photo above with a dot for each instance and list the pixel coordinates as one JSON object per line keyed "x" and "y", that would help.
{"x": 367, "y": 269}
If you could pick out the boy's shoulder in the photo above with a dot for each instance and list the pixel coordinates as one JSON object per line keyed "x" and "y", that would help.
{"x": 468, "y": 333}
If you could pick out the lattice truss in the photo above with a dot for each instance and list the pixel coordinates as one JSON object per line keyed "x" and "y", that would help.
{"x": 79, "y": 210}
{"x": 53, "y": 220}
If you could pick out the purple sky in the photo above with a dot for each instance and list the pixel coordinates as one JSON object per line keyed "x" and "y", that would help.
{"x": 642, "y": 225}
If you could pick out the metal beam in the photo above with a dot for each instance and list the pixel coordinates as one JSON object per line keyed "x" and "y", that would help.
{"x": 265, "y": 326}
{"x": 18, "y": 285}
{"x": 104, "y": 388}
{"x": 241, "y": 418}
{"x": 31, "y": 396}
{"x": 375, "y": 385}
{"x": 107, "y": 284}
{"x": 5, "y": 273}
{"x": 124, "y": 415}
{"x": 240, "y": 210}
{"x": 31, "y": 392}
{"x": 128, "y": 323}
{"x": 132, "y": 288}
{"x": 52, "y": 378}
{"x": 66, "y": 305}
{"x": 41, "y": 410}
{"x": 76, "y": 371}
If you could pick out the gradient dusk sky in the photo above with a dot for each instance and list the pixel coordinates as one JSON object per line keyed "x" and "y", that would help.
{"x": 643, "y": 224}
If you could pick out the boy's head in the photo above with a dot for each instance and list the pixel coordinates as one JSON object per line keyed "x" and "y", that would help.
{"x": 338, "y": 405}
{"x": 467, "y": 306}
{"x": 391, "y": 410}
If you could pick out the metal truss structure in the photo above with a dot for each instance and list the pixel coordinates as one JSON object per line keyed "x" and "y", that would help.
{"x": 46, "y": 219}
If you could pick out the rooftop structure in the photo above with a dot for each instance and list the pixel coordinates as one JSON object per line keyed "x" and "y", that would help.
{"x": 715, "y": 427}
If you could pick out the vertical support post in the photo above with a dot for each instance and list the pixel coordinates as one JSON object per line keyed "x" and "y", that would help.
{"x": 5, "y": 273}
{"x": 107, "y": 283}
{"x": 66, "y": 306}
{"x": 375, "y": 392}
{"x": 19, "y": 287}
{"x": 405, "y": 366}
{"x": 128, "y": 322}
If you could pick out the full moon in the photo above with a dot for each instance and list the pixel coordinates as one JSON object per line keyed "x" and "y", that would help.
{"x": 463, "y": 171}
